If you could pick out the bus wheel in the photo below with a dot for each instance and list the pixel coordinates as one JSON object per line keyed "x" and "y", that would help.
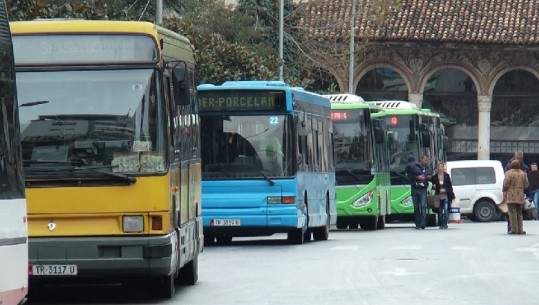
{"x": 224, "y": 239}
{"x": 296, "y": 237}
{"x": 322, "y": 233}
{"x": 163, "y": 287}
{"x": 341, "y": 225}
{"x": 209, "y": 238}
{"x": 189, "y": 272}
{"x": 381, "y": 223}
{"x": 307, "y": 235}
{"x": 353, "y": 225}
{"x": 369, "y": 223}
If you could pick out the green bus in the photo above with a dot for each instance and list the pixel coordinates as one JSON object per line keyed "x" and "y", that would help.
{"x": 416, "y": 131}
{"x": 361, "y": 154}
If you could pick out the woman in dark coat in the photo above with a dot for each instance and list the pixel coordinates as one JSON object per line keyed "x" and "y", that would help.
{"x": 514, "y": 185}
{"x": 441, "y": 183}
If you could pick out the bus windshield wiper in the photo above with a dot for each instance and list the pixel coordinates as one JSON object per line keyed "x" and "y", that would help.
{"x": 266, "y": 177}
{"x": 33, "y": 103}
{"x": 130, "y": 180}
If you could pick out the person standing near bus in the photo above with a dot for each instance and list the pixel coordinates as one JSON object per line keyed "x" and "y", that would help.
{"x": 441, "y": 183}
{"x": 518, "y": 156}
{"x": 419, "y": 174}
{"x": 514, "y": 185}
{"x": 533, "y": 178}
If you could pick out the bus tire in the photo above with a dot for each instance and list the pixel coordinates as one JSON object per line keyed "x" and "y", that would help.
{"x": 370, "y": 223}
{"x": 209, "y": 238}
{"x": 189, "y": 272}
{"x": 296, "y": 237}
{"x": 322, "y": 233}
{"x": 341, "y": 225}
{"x": 163, "y": 287}
{"x": 307, "y": 235}
{"x": 224, "y": 239}
{"x": 381, "y": 223}
{"x": 308, "y": 232}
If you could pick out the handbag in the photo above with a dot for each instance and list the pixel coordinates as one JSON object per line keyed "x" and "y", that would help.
{"x": 528, "y": 204}
{"x": 502, "y": 206}
{"x": 433, "y": 201}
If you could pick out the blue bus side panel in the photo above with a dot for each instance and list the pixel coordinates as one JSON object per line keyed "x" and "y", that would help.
{"x": 319, "y": 187}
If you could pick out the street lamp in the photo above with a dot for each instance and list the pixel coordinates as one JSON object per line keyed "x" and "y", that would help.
{"x": 281, "y": 28}
{"x": 352, "y": 49}
{"x": 159, "y": 13}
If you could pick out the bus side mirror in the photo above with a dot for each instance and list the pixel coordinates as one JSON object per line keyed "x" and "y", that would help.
{"x": 180, "y": 86}
{"x": 302, "y": 129}
{"x": 301, "y": 125}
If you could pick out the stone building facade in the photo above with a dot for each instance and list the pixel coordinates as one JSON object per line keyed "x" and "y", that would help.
{"x": 474, "y": 61}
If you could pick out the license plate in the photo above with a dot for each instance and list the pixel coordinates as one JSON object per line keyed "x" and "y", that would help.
{"x": 225, "y": 222}
{"x": 54, "y": 270}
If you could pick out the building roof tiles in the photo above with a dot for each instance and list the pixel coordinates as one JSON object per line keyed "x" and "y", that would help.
{"x": 510, "y": 22}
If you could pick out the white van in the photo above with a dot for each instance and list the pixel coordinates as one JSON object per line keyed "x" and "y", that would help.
{"x": 478, "y": 187}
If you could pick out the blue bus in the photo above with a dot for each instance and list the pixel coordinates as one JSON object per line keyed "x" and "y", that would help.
{"x": 267, "y": 161}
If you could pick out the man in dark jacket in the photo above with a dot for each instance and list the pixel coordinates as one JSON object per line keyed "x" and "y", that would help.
{"x": 419, "y": 174}
{"x": 519, "y": 155}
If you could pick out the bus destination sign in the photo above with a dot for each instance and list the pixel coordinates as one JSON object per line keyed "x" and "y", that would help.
{"x": 84, "y": 49}
{"x": 241, "y": 100}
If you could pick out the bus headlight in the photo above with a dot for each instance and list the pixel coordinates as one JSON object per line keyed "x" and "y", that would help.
{"x": 133, "y": 224}
{"x": 408, "y": 201}
{"x": 363, "y": 200}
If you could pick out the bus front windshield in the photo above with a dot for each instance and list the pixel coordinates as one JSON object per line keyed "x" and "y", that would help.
{"x": 353, "y": 151}
{"x": 101, "y": 119}
{"x": 402, "y": 143}
{"x": 246, "y": 146}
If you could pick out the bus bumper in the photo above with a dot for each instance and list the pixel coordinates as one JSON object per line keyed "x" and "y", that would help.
{"x": 105, "y": 257}
{"x": 278, "y": 219}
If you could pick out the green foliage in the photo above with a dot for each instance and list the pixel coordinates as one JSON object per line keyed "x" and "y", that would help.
{"x": 83, "y": 9}
{"x": 219, "y": 60}
{"x": 231, "y": 43}
{"x": 264, "y": 24}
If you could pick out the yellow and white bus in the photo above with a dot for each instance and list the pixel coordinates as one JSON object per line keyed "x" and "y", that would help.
{"x": 111, "y": 151}
{"x": 13, "y": 227}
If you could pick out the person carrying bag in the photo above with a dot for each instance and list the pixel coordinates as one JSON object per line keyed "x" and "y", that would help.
{"x": 443, "y": 187}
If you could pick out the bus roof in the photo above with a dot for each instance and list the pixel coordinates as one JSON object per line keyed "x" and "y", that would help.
{"x": 44, "y": 26}
{"x": 395, "y": 104}
{"x": 348, "y": 101}
{"x": 345, "y": 98}
{"x": 172, "y": 44}
{"x": 298, "y": 93}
